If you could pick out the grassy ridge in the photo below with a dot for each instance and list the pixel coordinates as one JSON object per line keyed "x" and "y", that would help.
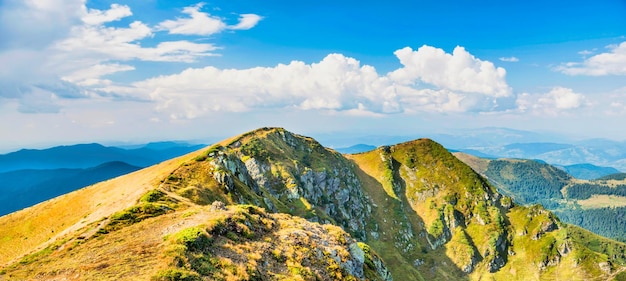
{"x": 428, "y": 216}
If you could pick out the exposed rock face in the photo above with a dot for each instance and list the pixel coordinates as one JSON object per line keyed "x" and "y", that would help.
{"x": 228, "y": 166}
{"x": 325, "y": 180}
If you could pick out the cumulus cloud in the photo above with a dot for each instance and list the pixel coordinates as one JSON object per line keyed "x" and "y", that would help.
{"x": 612, "y": 62}
{"x": 201, "y": 23}
{"x": 557, "y": 100}
{"x": 109, "y": 43}
{"x": 96, "y": 17}
{"x": 66, "y": 49}
{"x": 509, "y": 59}
{"x": 459, "y": 71}
{"x": 336, "y": 83}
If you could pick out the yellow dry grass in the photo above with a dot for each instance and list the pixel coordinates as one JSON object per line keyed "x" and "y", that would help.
{"x": 602, "y": 201}
{"x": 33, "y": 228}
{"x": 478, "y": 164}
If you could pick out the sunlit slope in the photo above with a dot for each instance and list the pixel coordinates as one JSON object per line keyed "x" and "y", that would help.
{"x": 23, "y": 231}
{"x": 295, "y": 211}
{"x": 597, "y": 205}
{"x": 162, "y": 223}
{"x": 463, "y": 228}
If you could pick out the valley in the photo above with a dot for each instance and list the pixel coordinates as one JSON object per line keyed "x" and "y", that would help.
{"x": 597, "y": 205}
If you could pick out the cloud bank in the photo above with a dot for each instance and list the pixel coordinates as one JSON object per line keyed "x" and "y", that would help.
{"x": 429, "y": 81}
{"x": 612, "y": 62}
{"x": 89, "y": 47}
{"x": 556, "y": 101}
{"x": 53, "y": 50}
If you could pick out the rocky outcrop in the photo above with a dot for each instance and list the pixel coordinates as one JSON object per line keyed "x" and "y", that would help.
{"x": 331, "y": 186}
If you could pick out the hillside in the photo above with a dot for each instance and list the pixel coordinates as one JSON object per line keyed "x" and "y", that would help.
{"x": 598, "y": 205}
{"x": 424, "y": 214}
{"x": 589, "y": 172}
{"x": 84, "y": 156}
{"x": 23, "y": 188}
{"x": 30, "y": 176}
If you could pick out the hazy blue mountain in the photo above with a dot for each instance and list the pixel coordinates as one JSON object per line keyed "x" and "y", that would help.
{"x": 588, "y": 171}
{"x": 474, "y": 152}
{"x": 358, "y": 148}
{"x": 30, "y": 176}
{"x": 617, "y": 176}
{"x": 24, "y": 188}
{"x": 602, "y": 153}
{"x": 491, "y": 136}
{"x": 83, "y": 156}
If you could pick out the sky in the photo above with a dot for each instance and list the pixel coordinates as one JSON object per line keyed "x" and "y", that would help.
{"x": 76, "y": 71}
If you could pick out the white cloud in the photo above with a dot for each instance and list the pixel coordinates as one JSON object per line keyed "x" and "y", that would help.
{"x": 585, "y": 53}
{"x": 509, "y": 59}
{"x": 108, "y": 43}
{"x": 96, "y": 17}
{"x": 200, "y": 23}
{"x": 246, "y": 21}
{"x": 33, "y": 24}
{"x": 608, "y": 63}
{"x": 557, "y": 100}
{"x": 66, "y": 49}
{"x": 90, "y": 75}
{"x": 337, "y": 83}
{"x": 459, "y": 71}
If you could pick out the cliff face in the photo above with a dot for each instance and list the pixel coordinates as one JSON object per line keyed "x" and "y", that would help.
{"x": 422, "y": 213}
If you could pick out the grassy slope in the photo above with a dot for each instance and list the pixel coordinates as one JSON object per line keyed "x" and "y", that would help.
{"x": 235, "y": 243}
{"x": 415, "y": 189}
{"x": 33, "y": 228}
{"x": 376, "y": 180}
{"x": 600, "y": 213}
{"x": 438, "y": 175}
{"x": 134, "y": 243}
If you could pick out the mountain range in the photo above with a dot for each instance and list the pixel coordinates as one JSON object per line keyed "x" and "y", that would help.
{"x": 31, "y": 176}
{"x": 604, "y": 153}
{"x": 273, "y": 205}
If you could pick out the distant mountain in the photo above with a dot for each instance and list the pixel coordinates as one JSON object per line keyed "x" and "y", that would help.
{"x": 355, "y": 149}
{"x": 30, "y": 176}
{"x": 490, "y": 137}
{"x": 474, "y": 152}
{"x": 82, "y": 156}
{"x": 588, "y": 171}
{"x": 24, "y": 188}
{"x": 604, "y": 153}
{"x": 617, "y": 176}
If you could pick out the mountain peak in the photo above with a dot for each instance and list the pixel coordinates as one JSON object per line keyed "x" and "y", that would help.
{"x": 426, "y": 213}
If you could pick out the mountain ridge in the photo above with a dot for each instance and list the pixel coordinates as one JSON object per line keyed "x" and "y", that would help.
{"x": 424, "y": 212}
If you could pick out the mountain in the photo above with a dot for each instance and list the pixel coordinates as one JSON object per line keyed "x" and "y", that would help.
{"x": 597, "y": 205}
{"x": 237, "y": 211}
{"x": 358, "y": 148}
{"x": 31, "y": 176}
{"x": 23, "y": 188}
{"x": 82, "y": 156}
{"x": 588, "y": 171}
{"x": 598, "y": 152}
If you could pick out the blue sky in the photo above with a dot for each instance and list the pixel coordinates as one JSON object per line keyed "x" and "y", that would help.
{"x": 112, "y": 71}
